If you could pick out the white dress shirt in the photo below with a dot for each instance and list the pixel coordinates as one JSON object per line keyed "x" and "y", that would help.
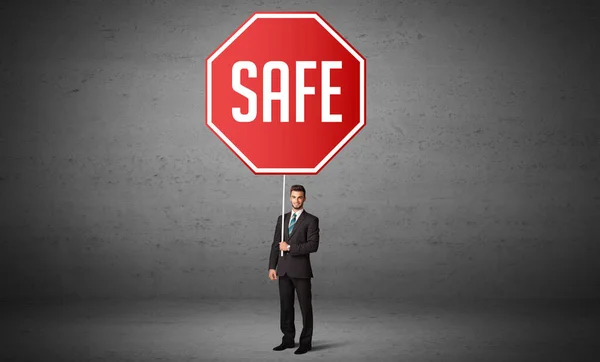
{"x": 298, "y": 213}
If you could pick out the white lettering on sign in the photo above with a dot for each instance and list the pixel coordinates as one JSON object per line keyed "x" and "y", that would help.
{"x": 283, "y": 96}
{"x": 239, "y": 88}
{"x": 301, "y": 90}
{"x": 327, "y": 91}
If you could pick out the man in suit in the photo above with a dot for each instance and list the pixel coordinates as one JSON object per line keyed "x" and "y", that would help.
{"x": 301, "y": 237}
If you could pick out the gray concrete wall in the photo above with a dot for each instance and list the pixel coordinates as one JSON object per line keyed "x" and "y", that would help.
{"x": 476, "y": 176}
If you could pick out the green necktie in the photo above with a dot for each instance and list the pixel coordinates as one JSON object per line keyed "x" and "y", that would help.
{"x": 292, "y": 222}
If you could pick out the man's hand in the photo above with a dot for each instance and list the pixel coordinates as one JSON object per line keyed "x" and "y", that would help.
{"x": 272, "y": 274}
{"x": 283, "y": 246}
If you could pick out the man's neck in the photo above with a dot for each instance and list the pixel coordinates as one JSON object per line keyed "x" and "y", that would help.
{"x": 295, "y": 211}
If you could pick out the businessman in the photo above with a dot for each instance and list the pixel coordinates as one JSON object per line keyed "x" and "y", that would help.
{"x": 300, "y": 238}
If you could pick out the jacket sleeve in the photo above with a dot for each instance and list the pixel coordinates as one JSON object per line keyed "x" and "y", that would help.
{"x": 273, "y": 255}
{"x": 312, "y": 240}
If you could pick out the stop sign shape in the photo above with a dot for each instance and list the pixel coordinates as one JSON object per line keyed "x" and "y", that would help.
{"x": 285, "y": 93}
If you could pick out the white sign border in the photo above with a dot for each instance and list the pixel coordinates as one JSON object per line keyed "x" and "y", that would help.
{"x": 336, "y": 149}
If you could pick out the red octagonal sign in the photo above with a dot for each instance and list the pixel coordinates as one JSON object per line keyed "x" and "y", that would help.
{"x": 285, "y": 92}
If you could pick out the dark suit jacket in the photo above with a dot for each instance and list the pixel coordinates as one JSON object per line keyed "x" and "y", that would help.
{"x": 303, "y": 241}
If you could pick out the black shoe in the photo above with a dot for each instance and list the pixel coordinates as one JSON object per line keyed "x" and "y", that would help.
{"x": 302, "y": 349}
{"x": 283, "y": 346}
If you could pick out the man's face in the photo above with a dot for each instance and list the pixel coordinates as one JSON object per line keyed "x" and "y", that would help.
{"x": 297, "y": 199}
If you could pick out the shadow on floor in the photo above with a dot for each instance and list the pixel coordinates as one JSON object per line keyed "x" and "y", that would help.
{"x": 327, "y": 345}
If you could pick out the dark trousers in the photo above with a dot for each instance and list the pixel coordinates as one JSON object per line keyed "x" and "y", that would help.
{"x": 302, "y": 286}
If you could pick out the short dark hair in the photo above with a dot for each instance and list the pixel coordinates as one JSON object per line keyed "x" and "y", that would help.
{"x": 298, "y": 188}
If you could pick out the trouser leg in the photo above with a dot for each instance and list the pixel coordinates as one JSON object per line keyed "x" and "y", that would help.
{"x": 303, "y": 289}
{"x": 286, "y": 298}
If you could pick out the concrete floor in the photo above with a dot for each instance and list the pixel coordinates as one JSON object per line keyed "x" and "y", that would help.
{"x": 345, "y": 330}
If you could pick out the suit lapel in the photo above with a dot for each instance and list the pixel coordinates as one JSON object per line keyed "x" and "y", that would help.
{"x": 286, "y": 223}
